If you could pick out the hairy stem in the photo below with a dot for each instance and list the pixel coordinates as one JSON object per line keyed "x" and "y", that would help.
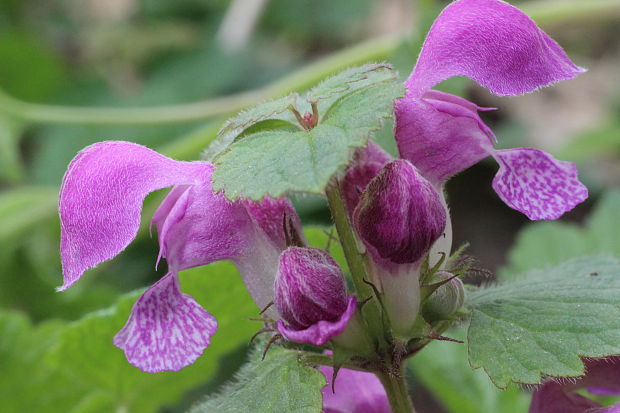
{"x": 544, "y": 13}
{"x": 371, "y": 310}
{"x": 396, "y": 389}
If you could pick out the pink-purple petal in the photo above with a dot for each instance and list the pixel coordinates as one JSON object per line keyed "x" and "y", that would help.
{"x": 167, "y": 330}
{"x": 354, "y": 392}
{"x": 321, "y": 332}
{"x": 203, "y": 227}
{"x": 366, "y": 163}
{"x": 493, "y": 43}
{"x": 101, "y": 200}
{"x": 309, "y": 287}
{"x": 537, "y": 184}
{"x": 269, "y": 214}
{"x": 550, "y": 397}
{"x": 436, "y": 141}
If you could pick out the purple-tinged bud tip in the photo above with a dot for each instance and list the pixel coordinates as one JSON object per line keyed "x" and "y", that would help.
{"x": 400, "y": 214}
{"x": 311, "y": 296}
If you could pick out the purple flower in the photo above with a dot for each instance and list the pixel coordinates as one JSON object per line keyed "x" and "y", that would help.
{"x": 602, "y": 377}
{"x": 311, "y": 296}
{"x": 400, "y": 215}
{"x": 503, "y": 50}
{"x": 354, "y": 392}
{"x": 100, "y": 204}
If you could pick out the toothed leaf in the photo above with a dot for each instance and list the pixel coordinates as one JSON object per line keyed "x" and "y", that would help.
{"x": 546, "y": 321}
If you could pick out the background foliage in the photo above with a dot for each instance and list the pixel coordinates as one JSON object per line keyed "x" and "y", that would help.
{"x": 55, "y": 348}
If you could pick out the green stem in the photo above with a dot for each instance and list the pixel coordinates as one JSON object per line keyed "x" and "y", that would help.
{"x": 396, "y": 389}
{"x": 355, "y": 259}
{"x": 544, "y": 13}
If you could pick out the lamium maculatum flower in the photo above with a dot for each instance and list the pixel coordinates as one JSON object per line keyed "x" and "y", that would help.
{"x": 602, "y": 377}
{"x": 353, "y": 392}
{"x": 400, "y": 214}
{"x": 502, "y": 49}
{"x": 100, "y": 203}
{"x": 311, "y": 296}
{"x": 399, "y": 217}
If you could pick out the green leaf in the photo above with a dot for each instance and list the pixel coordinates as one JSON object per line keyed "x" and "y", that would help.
{"x": 27, "y": 382}
{"x": 363, "y": 111}
{"x": 277, "y": 384}
{"x": 85, "y": 352}
{"x": 544, "y": 322}
{"x": 272, "y": 110}
{"x": 273, "y": 163}
{"x": 443, "y": 369}
{"x": 550, "y": 243}
{"x": 276, "y": 162}
{"x": 349, "y": 81}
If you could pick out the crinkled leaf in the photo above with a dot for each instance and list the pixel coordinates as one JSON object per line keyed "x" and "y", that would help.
{"x": 85, "y": 351}
{"x": 278, "y": 384}
{"x": 273, "y": 110}
{"x": 544, "y": 322}
{"x": 349, "y": 81}
{"x": 276, "y": 162}
{"x": 362, "y": 112}
{"x": 272, "y": 163}
{"x": 443, "y": 369}
{"x": 550, "y": 243}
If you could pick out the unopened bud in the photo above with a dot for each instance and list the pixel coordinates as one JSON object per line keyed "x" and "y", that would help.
{"x": 447, "y": 299}
{"x": 311, "y": 296}
{"x": 400, "y": 214}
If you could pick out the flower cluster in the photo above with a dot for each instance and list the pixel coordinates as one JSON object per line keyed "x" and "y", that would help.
{"x": 395, "y": 206}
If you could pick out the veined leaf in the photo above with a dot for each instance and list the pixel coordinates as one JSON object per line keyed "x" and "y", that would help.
{"x": 278, "y": 384}
{"x": 273, "y": 110}
{"x": 546, "y": 321}
{"x": 443, "y": 369}
{"x": 276, "y": 162}
{"x": 348, "y": 81}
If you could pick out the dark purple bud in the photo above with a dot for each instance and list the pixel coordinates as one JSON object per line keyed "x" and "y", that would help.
{"x": 400, "y": 214}
{"x": 311, "y": 296}
{"x": 447, "y": 299}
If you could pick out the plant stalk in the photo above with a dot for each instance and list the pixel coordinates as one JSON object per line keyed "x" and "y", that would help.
{"x": 355, "y": 259}
{"x": 396, "y": 389}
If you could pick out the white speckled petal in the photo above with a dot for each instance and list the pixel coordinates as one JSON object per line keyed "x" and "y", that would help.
{"x": 167, "y": 330}
{"x": 537, "y": 184}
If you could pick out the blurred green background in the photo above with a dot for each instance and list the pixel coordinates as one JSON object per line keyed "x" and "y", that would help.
{"x": 166, "y": 74}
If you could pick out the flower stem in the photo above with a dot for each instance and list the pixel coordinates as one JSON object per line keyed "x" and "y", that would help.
{"x": 355, "y": 259}
{"x": 396, "y": 389}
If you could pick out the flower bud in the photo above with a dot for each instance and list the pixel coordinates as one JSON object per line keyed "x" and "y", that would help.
{"x": 311, "y": 296}
{"x": 446, "y": 300}
{"x": 400, "y": 214}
